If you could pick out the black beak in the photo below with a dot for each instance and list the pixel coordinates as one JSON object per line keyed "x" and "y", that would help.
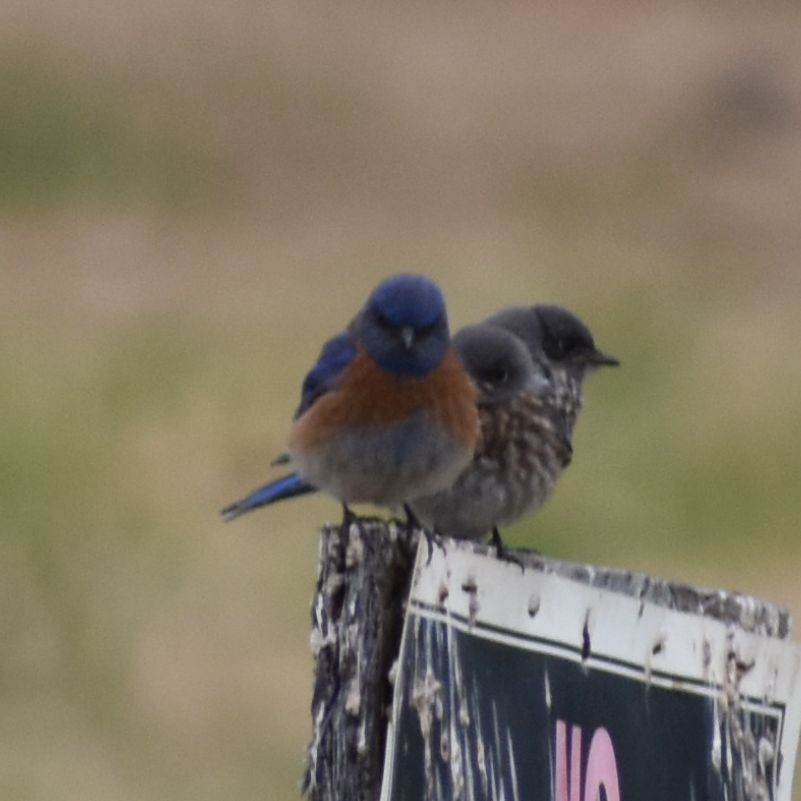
{"x": 600, "y": 359}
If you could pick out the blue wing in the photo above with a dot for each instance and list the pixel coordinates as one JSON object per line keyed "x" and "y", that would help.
{"x": 335, "y": 356}
{"x": 282, "y": 488}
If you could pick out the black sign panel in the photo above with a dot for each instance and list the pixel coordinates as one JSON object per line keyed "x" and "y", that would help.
{"x": 485, "y": 712}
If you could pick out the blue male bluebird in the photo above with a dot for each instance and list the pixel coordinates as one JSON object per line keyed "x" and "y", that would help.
{"x": 529, "y": 373}
{"x": 388, "y": 412}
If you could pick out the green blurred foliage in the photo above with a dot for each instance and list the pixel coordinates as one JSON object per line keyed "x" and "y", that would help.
{"x": 192, "y": 198}
{"x": 76, "y": 138}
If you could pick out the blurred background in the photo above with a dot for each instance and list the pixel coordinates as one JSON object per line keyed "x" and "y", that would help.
{"x": 194, "y": 195}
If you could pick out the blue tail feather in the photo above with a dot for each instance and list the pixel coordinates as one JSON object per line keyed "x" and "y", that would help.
{"x": 288, "y": 486}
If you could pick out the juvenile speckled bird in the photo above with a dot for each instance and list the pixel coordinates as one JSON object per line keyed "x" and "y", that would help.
{"x": 524, "y": 444}
{"x": 526, "y": 424}
{"x": 388, "y": 412}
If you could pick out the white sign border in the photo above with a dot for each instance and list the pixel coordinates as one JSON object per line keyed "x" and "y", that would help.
{"x": 550, "y": 614}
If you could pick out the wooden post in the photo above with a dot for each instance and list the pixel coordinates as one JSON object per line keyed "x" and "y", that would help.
{"x": 357, "y": 619}
{"x": 358, "y": 616}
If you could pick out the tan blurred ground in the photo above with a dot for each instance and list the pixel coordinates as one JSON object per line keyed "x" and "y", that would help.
{"x": 193, "y": 195}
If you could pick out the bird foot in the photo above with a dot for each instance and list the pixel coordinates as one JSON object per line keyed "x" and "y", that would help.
{"x": 501, "y": 552}
{"x": 432, "y": 538}
{"x": 347, "y": 518}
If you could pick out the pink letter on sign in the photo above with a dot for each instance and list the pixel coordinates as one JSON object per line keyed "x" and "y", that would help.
{"x": 601, "y": 768}
{"x": 562, "y": 792}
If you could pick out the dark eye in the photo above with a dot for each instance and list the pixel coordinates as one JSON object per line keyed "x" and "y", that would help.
{"x": 564, "y": 346}
{"x": 496, "y": 375}
{"x": 383, "y": 321}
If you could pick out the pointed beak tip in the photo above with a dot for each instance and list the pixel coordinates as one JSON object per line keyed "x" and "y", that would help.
{"x": 606, "y": 360}
{"x": 407, "y": 336}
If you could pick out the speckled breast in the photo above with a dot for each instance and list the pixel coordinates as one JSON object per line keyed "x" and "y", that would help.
{"x": 522, "y": 445}
{"x": 521, "y": 455}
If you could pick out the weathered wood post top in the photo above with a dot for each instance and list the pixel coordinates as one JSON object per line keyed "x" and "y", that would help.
{"x": 466, "y": 677}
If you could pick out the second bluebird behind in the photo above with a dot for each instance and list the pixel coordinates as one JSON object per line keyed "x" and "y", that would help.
{"x": 388, "y": 412}
{"x": 529, "y": 363}
{"x": 523, "y": 448}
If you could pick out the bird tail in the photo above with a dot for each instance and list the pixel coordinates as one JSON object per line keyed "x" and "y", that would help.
{"x": 282, "y": 488}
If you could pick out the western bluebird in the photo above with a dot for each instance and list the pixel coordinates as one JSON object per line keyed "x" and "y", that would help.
{"x": 524, "y": 444}
{"x": 528, "y": 409}
{"x": 388, "y": 412}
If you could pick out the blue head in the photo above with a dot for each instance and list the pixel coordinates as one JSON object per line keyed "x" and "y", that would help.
{"x": 404, "y": 326}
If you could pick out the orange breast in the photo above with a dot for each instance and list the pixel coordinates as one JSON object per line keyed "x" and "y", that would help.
{"x": 367, "y": 395}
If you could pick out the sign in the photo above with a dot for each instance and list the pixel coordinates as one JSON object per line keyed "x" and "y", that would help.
{"x": 521, "y": 684}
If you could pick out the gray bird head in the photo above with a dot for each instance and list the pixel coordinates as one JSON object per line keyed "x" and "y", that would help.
{"x": 557, "y": 334}
{"x": 499, "y": 363}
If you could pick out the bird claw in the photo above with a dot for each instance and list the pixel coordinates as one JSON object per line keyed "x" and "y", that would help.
{"x": 432, "y": 539}
{"x": 348, "y": 518}
{"x": 501, "y": 552}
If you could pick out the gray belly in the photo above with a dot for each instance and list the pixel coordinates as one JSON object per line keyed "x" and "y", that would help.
{"x": 385, "y": 465}
{"x": 512, "y": 474}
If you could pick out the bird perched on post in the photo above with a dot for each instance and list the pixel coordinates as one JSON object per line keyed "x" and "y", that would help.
{"x": 388, "y": 412}
{"x": 523, "y": 447}
{"x": 529, "y": 363}
{"x": 529, "y": 373}
{"x": 498, "y": 363}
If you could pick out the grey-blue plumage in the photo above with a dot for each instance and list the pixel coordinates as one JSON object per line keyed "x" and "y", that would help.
{"x": 558, "y": 338}
{"x": 529, "y": 363}
{"x": 523, "y": 447}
